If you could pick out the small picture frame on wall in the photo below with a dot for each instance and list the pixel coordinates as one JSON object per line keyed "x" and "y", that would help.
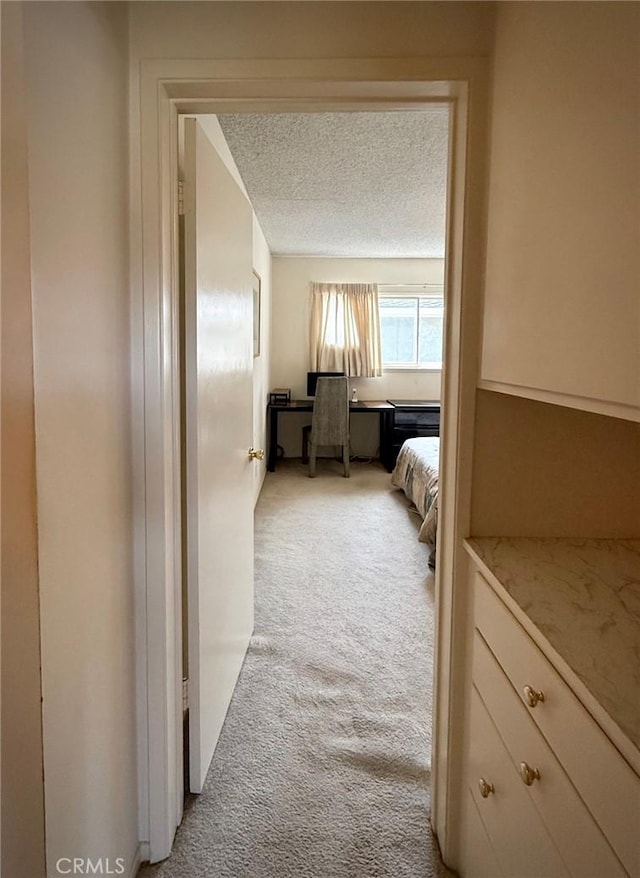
{"x": 257, "y": 291}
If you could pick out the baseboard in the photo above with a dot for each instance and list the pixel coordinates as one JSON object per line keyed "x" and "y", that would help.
{"x": 141, "y": 856}
{"x": 263, "y": 473}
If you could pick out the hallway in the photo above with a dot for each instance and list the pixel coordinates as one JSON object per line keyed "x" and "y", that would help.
{"x": 322, "y": 768}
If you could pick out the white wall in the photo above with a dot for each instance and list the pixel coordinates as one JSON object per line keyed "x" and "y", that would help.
{"x": 562, "y": 309}
{"x": 22, "y": 793}
{"x": 549, "y": 471}
{"x": 214, "y": 132}
{"x": 310, "y": 30}
{"x": 77, "y": 75}
{"x": 290, "y": 337}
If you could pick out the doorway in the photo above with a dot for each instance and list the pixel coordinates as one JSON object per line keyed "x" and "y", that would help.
{"x": 167, "y": 89}
{"x": 326, "y": 170}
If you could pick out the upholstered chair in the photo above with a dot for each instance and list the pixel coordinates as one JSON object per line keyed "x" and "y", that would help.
{"x": 330, "y": 420}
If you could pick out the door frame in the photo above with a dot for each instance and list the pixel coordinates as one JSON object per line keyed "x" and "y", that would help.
{"x": 161, "y": 90}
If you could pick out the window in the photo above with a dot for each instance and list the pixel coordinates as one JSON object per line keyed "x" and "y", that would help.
{"x": 411, "y": 326}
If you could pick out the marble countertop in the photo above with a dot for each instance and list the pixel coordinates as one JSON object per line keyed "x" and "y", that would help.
{"x": 583, "y": 596}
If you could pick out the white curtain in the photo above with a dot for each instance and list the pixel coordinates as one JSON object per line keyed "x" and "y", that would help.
{"x": 345, "y": 329}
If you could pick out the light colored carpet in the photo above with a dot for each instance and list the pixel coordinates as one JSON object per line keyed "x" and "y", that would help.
{"x": 322, "y": 768}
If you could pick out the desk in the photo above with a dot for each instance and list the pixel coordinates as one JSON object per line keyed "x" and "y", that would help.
{"x": 383, "y": 409}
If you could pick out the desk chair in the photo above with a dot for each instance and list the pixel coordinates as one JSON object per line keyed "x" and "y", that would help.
{"x": 330, "y": 420}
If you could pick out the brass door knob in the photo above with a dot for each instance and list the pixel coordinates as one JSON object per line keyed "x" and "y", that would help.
{"x": 485, "y": 788}
{"x": 256, "y": 454}
{"x": 528, "y": 774}
{"x": 532, "y": 696}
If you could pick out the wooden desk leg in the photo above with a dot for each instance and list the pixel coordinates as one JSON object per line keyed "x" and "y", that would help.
{"x": 273, "y": 440}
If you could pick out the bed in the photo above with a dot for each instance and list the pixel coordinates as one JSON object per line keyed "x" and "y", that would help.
{"x": 416, "y": 473}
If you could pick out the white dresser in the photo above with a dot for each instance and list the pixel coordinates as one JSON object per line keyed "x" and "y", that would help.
{"x": 552, "y": 764}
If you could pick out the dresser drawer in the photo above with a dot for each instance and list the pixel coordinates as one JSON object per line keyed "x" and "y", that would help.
{"x": 417, "y": 418}
{"x": 604, "y": 780}
{"x": 521, "y": 843}
{"x": 583, "y": 848}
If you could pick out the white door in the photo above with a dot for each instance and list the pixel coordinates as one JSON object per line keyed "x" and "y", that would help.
{"x": 219, "y": 474}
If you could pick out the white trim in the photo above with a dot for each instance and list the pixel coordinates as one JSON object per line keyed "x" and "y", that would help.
{"x": 411, "y": 368}
{"x": 363, "y": 258}
{"x": 411, "y": 291}
{"x": 570, "y": 400}
{"x": 141, "y": 855}
{"x": 167, "y": 87}
{"x": 464, "y": 275}
{"x": 158, "y": 591}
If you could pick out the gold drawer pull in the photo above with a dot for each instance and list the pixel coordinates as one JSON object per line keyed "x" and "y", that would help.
{"x": 528, "y": 774}
{"x": 485, "y": 788}
{"x": 532, "y": 696}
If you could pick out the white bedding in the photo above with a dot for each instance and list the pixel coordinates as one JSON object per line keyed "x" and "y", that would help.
{"x": 416, "y": 473}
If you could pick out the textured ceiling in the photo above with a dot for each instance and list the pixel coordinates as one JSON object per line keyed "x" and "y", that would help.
{"x": 345, "y": 184}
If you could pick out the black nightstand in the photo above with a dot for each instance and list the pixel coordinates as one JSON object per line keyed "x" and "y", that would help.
{"x": 411, "y": 418}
